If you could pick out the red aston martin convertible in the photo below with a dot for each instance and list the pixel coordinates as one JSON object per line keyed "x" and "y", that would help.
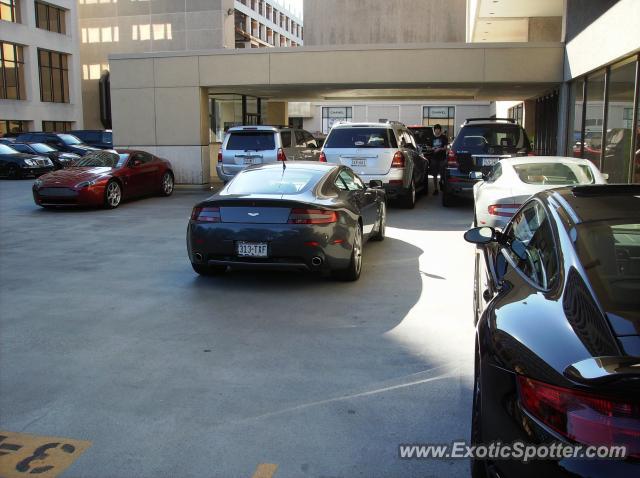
{"x": 105, "y": 178}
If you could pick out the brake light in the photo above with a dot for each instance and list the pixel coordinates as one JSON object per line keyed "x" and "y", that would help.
{"x": 503, "y": 210}
{"x": 206, "y": 214}
{"x": 583, "y": 417}
{"x": 452, "y": 159}
{"x": 220, "y": 156}
{"x": 398, "y": 160}
{"x": 281, "y": 155}
{"x": 312, "y": 216}
{"x": 323, "y": 157}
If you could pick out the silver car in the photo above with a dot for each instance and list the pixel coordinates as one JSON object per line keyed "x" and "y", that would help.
{"x": 245, "y": 146}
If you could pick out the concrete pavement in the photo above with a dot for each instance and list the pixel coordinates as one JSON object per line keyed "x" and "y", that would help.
{"x": 107, "y": 335}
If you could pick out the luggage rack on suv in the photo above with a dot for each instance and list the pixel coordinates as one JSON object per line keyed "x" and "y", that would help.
{"x": 510, "y": 120}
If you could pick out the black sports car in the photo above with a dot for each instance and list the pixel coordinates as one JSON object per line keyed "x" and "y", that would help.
{"x": 557, "y": 305}
{"x": 16, "y": 165}
{"x": 303, "y": 215}
{"x": 58, "y": 158}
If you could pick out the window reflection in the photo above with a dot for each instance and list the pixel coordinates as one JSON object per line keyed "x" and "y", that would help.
{"x": 595, "y": 117}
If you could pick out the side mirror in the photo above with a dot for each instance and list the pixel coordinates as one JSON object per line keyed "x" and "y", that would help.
{"x": 376, "y": 184}
{"x": 476, "y": 175}
{"x": 480, "y": 235}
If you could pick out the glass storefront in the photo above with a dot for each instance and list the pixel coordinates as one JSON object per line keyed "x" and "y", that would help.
{"x": 228, "y": 110}
{"x": 603, "y": 127}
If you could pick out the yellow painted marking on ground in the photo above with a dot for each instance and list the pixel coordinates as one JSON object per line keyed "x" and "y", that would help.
{"x": 265, "y": 470}
{"x": 23, "y": 455}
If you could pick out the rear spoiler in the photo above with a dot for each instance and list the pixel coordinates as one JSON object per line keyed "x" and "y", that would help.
{"x": 600, "y": 370}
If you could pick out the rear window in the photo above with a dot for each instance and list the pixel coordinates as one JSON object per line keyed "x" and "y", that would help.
{"x": 274, "y": 181}
{"x": 554, "y": 173}
{"x": 492, "y": 135}
{"x": 422, "y": 135}
{"x": 610, "y": 254}
{"x": 251, "y": 141}
{"x": 361, "y": 138}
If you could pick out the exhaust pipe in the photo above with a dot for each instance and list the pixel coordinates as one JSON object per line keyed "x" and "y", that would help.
{"x": 198, "y": 256}
{"x": 316, "y": 261}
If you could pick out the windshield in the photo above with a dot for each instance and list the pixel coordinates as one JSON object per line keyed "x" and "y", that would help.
{"x": 610, "y": 254}
{"x": 274, "y": 181}
{"x": 554, "y": 173}
{"x": 361, "y": 138}
{"x": 4, "y": 149}
{"x": 101, "y": 159}
{"x": 492, "y": 136}
{"x": 423, "y": 135}
{"x": 251, "y": 141}
{"x": 69, "y": 139}
{"x": 42, "y": 148}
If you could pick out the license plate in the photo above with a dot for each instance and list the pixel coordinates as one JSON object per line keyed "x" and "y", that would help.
{"x": 488, "y": 161}
{"x": 358, "y": 162}
{"x": 251, "y": 249}
{"x": 251, "y": 160}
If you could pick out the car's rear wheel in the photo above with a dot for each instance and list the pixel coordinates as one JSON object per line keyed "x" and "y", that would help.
{"x": 167, "y": 184}
{"x": 112, "y": 194}
{"x": 205, "y": 270}
{"x": 478, "y": 467}
{"x": 352, "y": 273}
{"x": 382, "y": 223}
{"x": 409, "y": 199}
{"x": 14, "y": 172}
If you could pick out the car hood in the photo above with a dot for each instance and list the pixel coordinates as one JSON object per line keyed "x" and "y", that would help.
{"x": 20, "y": 156}
{"x": 73, "y": 176}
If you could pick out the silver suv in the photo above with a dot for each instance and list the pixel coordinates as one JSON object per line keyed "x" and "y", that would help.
{"x": 247, "y": 145}
{"x": 380, "y": 151}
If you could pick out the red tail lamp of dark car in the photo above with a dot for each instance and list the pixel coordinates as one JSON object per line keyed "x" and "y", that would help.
{"x": 503, "y": 210}
{"x": 312, "y": 216}
{"x": 398, "y": 160}
{"x": 206, "y": 214}
{"x": 583, "y": 417}
{"x": 452, "y": 159}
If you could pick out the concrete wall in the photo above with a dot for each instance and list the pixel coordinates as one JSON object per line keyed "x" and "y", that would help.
{"x": 341, "y": 22}
{"x": 545, "y": 29}
{"x": 612, "y": 35}
{"x": 129, "y": 26}
{"x": 32, "y": 109}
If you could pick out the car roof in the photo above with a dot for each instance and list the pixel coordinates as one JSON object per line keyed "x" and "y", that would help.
{"x": 599, "y": 202}
{"x": 274, "y": 129}
{"x": 366, "y": 125}
{"x": 315, "y": 165}
{"x": 544, "y": 159}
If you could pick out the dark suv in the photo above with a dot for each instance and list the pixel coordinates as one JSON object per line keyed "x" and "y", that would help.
{"x": 481, "y": 143}
{"x": 424, "y": 139}
{"x": 99, "y": 138}
{"x": 65, "y": 142}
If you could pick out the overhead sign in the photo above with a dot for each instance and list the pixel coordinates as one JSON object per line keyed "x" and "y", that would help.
{"x": 438, "y": 111}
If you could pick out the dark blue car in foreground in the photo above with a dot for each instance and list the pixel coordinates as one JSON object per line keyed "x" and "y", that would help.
{"x": 297, "y": 216}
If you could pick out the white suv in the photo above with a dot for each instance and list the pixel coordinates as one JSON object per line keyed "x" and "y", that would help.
{"x": 385, "y": 152}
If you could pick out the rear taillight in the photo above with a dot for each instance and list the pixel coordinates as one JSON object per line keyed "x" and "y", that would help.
{"x": 503, "y": 210}
{"x": 281, "y": 155}
{"x": 583, "y": 417}
{"x": 398, "y": 160}
{"x": 323, "y": 157}
{"x": 452, "y": 159}
{"x": 220, "y": 156}
{"x": 312, "y": 216}
{"x": 206, "y": 214}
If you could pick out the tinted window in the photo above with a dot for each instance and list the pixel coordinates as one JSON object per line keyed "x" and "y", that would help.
{"x": 423, "y": 135}
{"x": 361, "y": 138}
{"x": 251, "y": 141}
{"x": 23, "y": 148}
{"x": 42, "y": 148}
{"x": 300, "y": 141}
{"x": 349, "y": 180}
{"x": 69, "y": 139}
{"x": 492, "y": 135}
{"x": 309, "y": 140}
{"x": 495, "y": 173}
{"x": 4, "y": 149}
{"x": 554, "y": 173}
{"x": 107, "y": 137}
{"x": 285, "y": 137}
{"x": 610, "y": 254}
{"x": 531, "y": 246}
{"x": 274, "y": 181}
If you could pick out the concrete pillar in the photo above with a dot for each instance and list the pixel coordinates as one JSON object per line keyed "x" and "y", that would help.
{"x": 277, "y": 113}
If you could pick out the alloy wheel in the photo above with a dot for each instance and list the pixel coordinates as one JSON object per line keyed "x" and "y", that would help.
{"x": 167, "y": 184}
{"x": 357, "y": 251}
{"x": 114, "y": 194}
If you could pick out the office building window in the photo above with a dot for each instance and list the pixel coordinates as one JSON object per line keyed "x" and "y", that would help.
{"x": 442, "y": 115}
{"x": 11, "y": 72}
{"x": 12, "y": 126}
{"x": 333, "y": 114}
{"x": 54, "y": 76}
{"x": 50, "y": 18}
{"x": 10, "y": 10}
{"x": 57, "y": 126}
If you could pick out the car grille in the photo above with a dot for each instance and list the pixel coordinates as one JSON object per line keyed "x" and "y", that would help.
{"x": 57, "y": 192}
{"x": 43, "y": 162}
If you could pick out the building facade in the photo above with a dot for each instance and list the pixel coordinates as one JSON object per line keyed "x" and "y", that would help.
{"x": 39, "y": 66}
{"x": 128, "y": 26}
